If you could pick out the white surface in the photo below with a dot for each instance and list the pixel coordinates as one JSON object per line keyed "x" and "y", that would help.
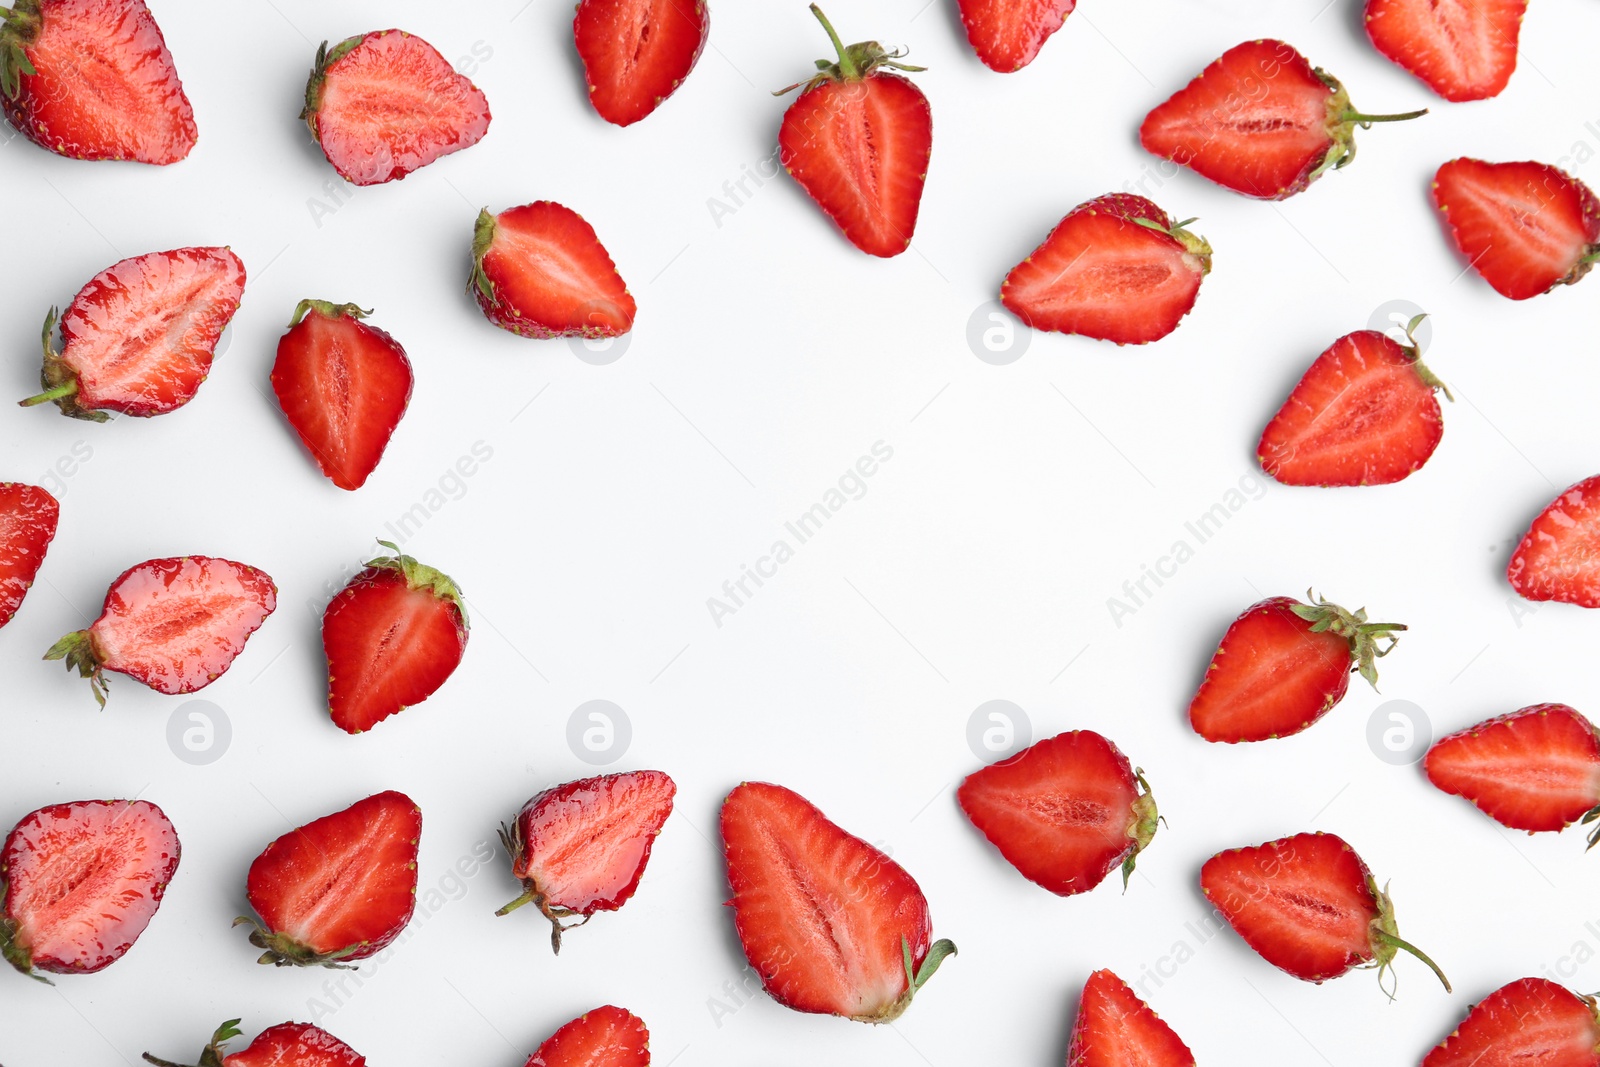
{"x": 768, "y": 356}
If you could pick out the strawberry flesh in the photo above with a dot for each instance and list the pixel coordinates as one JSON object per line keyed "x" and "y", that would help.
{"x": 1524, "y": 227}
{"x": 637, "y": 52}
{"x": 1462, "y": 49}
{"x": 82, "y": 881}
{"x": 1529, "y": 1021}
{"x": 28, "y": 519}
{"x": 1534, "y": 769}
{"x": 1065, "y": 811}
{"x": 1364, "y": 414}
{"x": 343, "y": 385}
{"x": 392, "y": 637}
{"x": 295, "y": 1045}
{"x": 824, "y": 918}
{"x": 340, "y": 888}
{"x": 1115, "y": 269}
{"x": 582, "y": 847}
{"x": 1115, "y": 1028}
{"x": 605, "y": 1037}
{"x": 1559, "y": 557}
{"x": 103, "y": 84}
{"x": 1007, "y": 34}
{"x": 385, "y": 103}
{"x": 540, "y": 271}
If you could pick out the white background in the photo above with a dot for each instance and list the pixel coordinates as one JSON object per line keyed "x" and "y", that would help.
{"x": 768, "y": 356}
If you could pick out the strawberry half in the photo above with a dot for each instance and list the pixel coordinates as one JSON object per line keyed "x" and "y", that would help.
{"x": 1283, "y": 665}
{"x": 140, "y": 337}
{"x": 1117, "y": 268}
{"x": 1007, "y": 34}
{"x": 1364, "y": 414}
{"x": 1559, "y": 557}
{"x": 857, "y": 139}
{"x": 80, "y": 882}
{"x": 540, "y": 271}
{"x": 582, "y": 847}
{"x": 831, "y": 924}
{"x": 383, "y": 104}
{"x": 1115, "y": 1028}
{"x": 175, "y": 625}
{"x": 92, "y": 79}
{"x": 1536, "y": 769}
{"x": 1524, "y": 227}
{"x": 605, "y": 1037}
{"x": 1528, "y": 1021}
{"x": 284, "y": 1045}
{"x": 1462, "y": 49}
{"x": 1309, "y": 906}
{"x": 392, "y": 637}
{"x": 28, "y": 519}
{"x": 637, "y": 52}
{"x": 1260, "y": 121}
{"x": 1065, "y": 811}
{"x": 343, "y": 386}
{"x": 338, "y": 889}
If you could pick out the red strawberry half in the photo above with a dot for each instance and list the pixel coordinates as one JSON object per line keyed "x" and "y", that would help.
{"x": 174, "y": 625}
{"x": 1525, "y": 227}
{"x": 140, "y": 337}
{"x": 1007, "y": 34}
{"x": 92, "y": 79}
{"x": 1260, "y": 121}
{"x": 582, "y": 847}
{"x": 605, "y": 1037}
{"x": 1559, "y": 557}
{"x": 1535, "y": 769}
{"x": 1528, "y": 1021}
{"x": 1283, "y": 665}
{"x": 1065, "y": 811}
{"x": 28, "y": 518}
{"x": 1364, "y": 414}
{"x": 637, "y": 52}
{"x": 1308, "y": 905}
{"x": 1117, "y": 268}
{"x": 284, "y": 1045}
{"x": 1462, "y": 49}
{"x": 1116, "y": 1029}
{"x": 385, "y": 103}
{"x": 857, "y": 139}
{"x": 392, "y": 638}
{"x": 831, "y": 924}
{"x": 343, "y": 386}
{"x": 540, "y": 271}
{"x": 340, "y": 888}
{"x": 80, "y": 882}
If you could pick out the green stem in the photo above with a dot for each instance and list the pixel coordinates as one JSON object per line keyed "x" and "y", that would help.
{"x": 527, "y": 898}
{"x": 847, "y": 66}
{"x": 1367, "y": 120}
{"x": 68, "y": 388}
{"x": 1397, "y": 942}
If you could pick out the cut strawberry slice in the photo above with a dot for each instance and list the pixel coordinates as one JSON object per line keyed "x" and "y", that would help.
{"x": 1116, "y": 1029}
{"x": 582, "y": 847}
{"x": 140, "y": 337}
{"x": 173, "y": 624}
{"x": 1535, "y": 769}
{"x": 1007, "y": 34}
{"x": 385, "y": 103}
{"x": 540, "y": 271}
{"x": 340, "y": 888}
{"x": 1559, "y": 557}
{"x": 28, "y": 518}
{"x": 637, "y": 52}
{"x": 80, "y": 882}
{"x": 284, "y": 1045}
{"x": 831, "y": 924}
{"x": 1529, "y": 1021}
{"x": 605, "y": 1037}
{"x": 1462, "y": 49}
{"x": 92, "y": 79}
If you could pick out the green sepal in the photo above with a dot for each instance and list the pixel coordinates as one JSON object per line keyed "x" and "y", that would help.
{"x": 19, "y": 30}
{"x": 212, "y": 1055}
{"x": 1364, "y": 636}
{"x": 482, "y": 238}
{"x": 422, "y": 576}
{"x": 1414, "y": 353}
{"x": 327, "y": 309}
{"x": 1342, "y": 120}
{"x": 59, "y": 380}
{"x": 853, "y": 63}
{"x": 511, "y": 838}
{"x": 326, "y": 58}
{"x": 1146, "y": 820}
{"x": 1384, "y": 939}
{"x": 78, "y": 650}
{"x": 938, "y": 952}
{"x": 281, "y": 950}
{"x": 1193, "y": 243}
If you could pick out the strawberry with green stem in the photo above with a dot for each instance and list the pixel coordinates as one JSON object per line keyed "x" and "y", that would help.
{"x": 284, "y": 1045}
